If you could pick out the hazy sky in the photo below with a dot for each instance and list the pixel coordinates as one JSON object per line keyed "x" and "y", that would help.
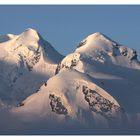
{"x": 65, "y": 26}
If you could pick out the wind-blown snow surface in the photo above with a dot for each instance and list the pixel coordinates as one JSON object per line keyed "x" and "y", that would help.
{"x": 95, "y": 90}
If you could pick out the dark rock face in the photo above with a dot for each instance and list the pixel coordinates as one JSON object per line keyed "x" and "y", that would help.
{"x": 31, "y": 62}
{"x": 60, "y": 66}
{"x": 123, "y": 51}
{"x": 56, "y": 105}
{"x": 73, "y": 63}
{"x": 20, "y": 104}
{"x": 58, "y": 69}
{"x": 132, "y": 54}
{"x": 82, "y": 43}
{"x": 45, "y": 84}
{"x": 99, "y": 104}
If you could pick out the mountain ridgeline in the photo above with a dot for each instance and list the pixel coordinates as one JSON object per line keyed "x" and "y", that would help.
{"x": 97, "y": 83}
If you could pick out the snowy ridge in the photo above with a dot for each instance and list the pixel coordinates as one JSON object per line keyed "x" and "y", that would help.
{"x": 97, "y": 49}
{"x": 4, "y": 38}
{"x": 96, "y": 84}
{"x": 100, "y": 48}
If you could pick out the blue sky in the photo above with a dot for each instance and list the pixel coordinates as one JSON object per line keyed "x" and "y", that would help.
{"x": 65, "y": 26}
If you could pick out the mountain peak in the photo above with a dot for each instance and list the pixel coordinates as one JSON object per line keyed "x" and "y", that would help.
{"x": 98, "y": 36}
{"x": 31, "y": 29}
{"x": 96, "y": 41}
{"x": 32, "y": 33}
{"x": 101, "y": 48}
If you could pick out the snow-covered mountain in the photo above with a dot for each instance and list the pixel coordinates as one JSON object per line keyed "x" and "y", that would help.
{"x": 71, "y": 95}
{"x": 26, "y": 62}
{"x": 99, "y": 49}
{"x": 115, "y": 68}
{"x": 99, "y": 81}
{"x": 96, "y": 85}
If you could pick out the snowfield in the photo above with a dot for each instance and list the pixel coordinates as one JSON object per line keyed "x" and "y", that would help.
{"x": 94, "y": 90}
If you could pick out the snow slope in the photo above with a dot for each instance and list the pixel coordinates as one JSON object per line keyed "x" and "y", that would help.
{"x": 26, "y": 62}
{"x": 101, "y": 77}
{"x": 71, "y": 96}
{"x": 100, "y": 48}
